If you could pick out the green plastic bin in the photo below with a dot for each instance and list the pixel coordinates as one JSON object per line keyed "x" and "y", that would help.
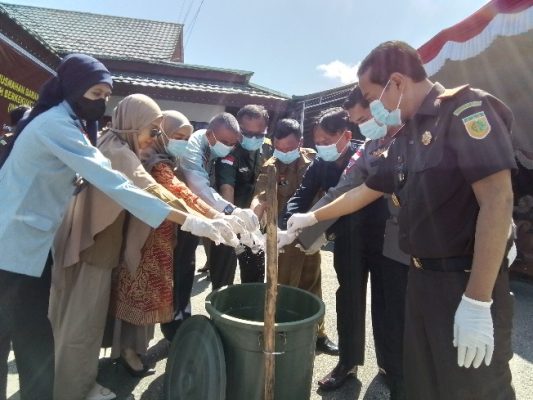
{"x": 237, "y": 313}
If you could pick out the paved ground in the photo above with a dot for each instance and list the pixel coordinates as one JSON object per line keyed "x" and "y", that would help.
{"x": 368, "y": 386}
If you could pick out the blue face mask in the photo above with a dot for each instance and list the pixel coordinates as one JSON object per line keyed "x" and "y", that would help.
{"x": 384, "y": 116}
{"x": 288, "y": 157}
{"x": 329, "y": 152}
{"x": 176, "y": 148}
{"x": 252, "y": 143}
{"x": 372, "y": 130}
{"x": 220, "y": 149}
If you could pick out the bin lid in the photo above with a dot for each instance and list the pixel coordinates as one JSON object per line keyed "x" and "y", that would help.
{"x": 196, "y": 367}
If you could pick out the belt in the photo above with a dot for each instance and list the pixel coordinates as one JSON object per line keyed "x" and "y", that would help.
{"x": 449, "y": 264}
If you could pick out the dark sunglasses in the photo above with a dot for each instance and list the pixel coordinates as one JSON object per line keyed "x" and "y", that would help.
{"x": 253, "y": 134}
{"x": 155, "y": 132}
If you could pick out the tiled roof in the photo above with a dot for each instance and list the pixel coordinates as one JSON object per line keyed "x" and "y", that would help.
{"x": 103, "y": 36}
{"x": 199, "y": 67}
{"x": 197, "y": 85}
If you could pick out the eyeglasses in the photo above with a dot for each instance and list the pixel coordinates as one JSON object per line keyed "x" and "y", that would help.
{"x": 256, "y": 135}
{"x": 155, "y": 132}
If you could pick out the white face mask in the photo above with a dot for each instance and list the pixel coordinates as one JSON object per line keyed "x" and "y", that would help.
{"x": 288, "y": 157}
{"x": 372, "y": 130}
{"x": 220, "y": 149}
{"x": 384, "y": 116}
{"x": 329, "y": 152}
{"x": 252, "y": 143}
{"x": 176, "y": 148}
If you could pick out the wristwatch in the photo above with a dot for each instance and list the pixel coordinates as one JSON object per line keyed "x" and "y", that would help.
{"x": 228, "y": 209}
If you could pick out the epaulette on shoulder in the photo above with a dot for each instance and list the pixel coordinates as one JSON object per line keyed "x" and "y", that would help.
{"x": 268, "y": 141}
{"x": 308, "y": 154}
{"x": 271, "y": 161}
{"x": 450, "y": 93}
{"x": 307, "y": 150}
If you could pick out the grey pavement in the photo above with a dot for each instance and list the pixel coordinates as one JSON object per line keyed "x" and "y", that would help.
{"x": 368, "y": 386}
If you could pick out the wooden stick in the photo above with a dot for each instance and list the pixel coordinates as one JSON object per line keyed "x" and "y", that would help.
{"x": 271, "y": 292}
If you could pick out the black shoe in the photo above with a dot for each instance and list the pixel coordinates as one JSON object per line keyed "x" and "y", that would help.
{"x": 324, "y": 345}
{"x": 204, "y": 269}
{"x": 337, "y": 377}
{"x": 134, "y": 372}
{"x": 168, "y": 329}
{"x": 397, "y": 389}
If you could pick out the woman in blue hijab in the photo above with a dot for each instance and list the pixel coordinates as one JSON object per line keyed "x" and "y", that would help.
{"x": 37, "y": 181}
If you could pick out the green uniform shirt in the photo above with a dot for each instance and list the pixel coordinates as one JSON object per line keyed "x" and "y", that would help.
{"x": 239, "y": 169}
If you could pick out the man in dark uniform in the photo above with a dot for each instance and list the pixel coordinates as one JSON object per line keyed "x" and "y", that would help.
{"x": 332, "y": 130}
{"x": 449, "y": 171}
{"x": 235, "y": 177}
{"x": 387, "y": 269}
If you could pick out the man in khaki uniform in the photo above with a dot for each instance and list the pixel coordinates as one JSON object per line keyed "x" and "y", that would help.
{"x": 295, "y": 268}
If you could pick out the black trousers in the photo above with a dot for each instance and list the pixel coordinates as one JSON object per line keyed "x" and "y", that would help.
{"x": 353, "y": 264}
{"x": 223, "y": 262}
{"x": 358, "y": 253}
{"x": 431, "y": 370}
{"x": 184, "y": 265}
{"x": 24, "y": 321}
{"x": 5, "y": 347}
{"x": 390, "y": 278}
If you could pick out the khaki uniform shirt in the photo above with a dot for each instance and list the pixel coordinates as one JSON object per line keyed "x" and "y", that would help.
{"x": 289, "y": 177}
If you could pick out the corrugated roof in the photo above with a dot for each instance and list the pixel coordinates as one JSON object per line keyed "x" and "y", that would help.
{"x": 102, "y": 36}
{"x": 165, "y": 82}
{"x": 325, "y": 96}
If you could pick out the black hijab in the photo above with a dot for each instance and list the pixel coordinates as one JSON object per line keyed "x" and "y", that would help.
{"x": 75, "y": 75}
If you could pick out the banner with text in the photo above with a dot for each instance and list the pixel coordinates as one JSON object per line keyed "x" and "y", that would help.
{"x": 20, "y": 80}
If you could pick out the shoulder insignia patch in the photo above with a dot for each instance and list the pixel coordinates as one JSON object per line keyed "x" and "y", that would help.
{"x": 449, "y": 93}
{"x": 477, "y": 125}
{"x": 308, "y": 154}
{"x": 229, "y": 160}
{"x": 352, "y": 161}
{"x": 466, "y": 106}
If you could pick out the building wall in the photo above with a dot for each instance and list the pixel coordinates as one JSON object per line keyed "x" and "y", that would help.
{"x": 194, "y": 111}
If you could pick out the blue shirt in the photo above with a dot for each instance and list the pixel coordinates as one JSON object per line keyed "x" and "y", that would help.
{"x": 37, "y": 182}
{"x": 195, "y": 165}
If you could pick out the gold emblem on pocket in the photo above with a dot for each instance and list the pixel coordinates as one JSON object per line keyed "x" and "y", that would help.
{"x": 395, "y": 200}
{"x": 427, "y": 137}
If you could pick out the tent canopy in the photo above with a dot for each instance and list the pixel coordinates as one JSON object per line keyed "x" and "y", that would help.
{"x": 491, "y": 50}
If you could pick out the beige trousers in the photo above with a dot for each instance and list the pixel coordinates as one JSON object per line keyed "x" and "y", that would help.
{"x": 78, "y": 313}
{"x": 297, "y": 269}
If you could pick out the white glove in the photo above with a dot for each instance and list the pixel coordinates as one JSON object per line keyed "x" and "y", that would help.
{"x": 235, "y": 222}
{"x": 254, "y": 240}
{"x": 229, "y": 238}
{"x": 284, "y": 239}
{"x": 251, "y": 222}
{"x": 299, "y": 221}
{"x": 315, "y": 247}
{"x": 218, "y": 230}
{"x": 473, "y": 333}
